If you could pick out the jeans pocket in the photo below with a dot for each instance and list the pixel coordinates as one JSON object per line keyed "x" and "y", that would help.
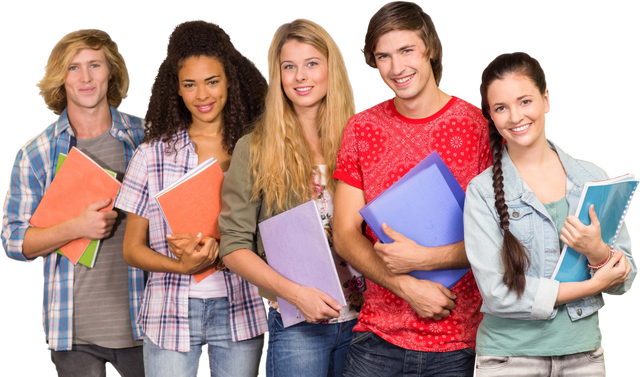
{"x": 359, "y": 336}
{"x": 492, "y": 362}
{"x": 595, "y": 356}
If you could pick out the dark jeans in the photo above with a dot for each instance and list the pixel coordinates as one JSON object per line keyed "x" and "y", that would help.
{"x": 370, "y": 355}
{"x": 89, "y": 361}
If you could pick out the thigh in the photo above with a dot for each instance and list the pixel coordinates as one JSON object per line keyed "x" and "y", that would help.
{"x": 80, "y": 361}
{"x": 299, "y": 350}
{"x": 458, "y": 363}
{"x": 370, "y": 355}
{"x": 226, "y": 357}
{"x": 518, "y": 366}
{"x": 129, "y": 362}
{"x": 160, "y": 362}
{"x": 341, "y": 350}
{"x": 583, "y": 364}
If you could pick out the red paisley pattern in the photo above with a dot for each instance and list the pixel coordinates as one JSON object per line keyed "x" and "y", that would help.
{"x": 380, "y": 146}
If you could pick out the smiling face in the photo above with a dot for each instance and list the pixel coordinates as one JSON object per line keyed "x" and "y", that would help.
{"x": 304, "y": 73}
{"x": 202, "y": 84}
{"x": 87, "y": 81}
{"x": 517, "y": 108}
{"x": 400, "y": 57}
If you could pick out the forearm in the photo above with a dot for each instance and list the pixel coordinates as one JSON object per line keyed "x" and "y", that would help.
{"x": 358, "y": 251}
{"x": 39, "y": 242}
{"x": 444, "y": 257}
{"x": 252, "y": 268}
{"x": 140, "y": 256}
{"x": 569, "y": 292}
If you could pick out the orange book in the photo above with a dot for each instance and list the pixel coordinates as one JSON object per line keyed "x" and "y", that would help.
{"x": 79, "y": 182}
{"x": 192, "y": 204}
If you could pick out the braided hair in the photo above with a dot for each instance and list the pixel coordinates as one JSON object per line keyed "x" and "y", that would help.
{"x": 515, "y": 257}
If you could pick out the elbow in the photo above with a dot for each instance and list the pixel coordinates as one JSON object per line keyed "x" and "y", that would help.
{"x": 127, "y": 254}
{"x": 339, "y": 241}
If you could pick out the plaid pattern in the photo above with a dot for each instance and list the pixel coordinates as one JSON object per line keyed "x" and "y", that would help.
{"x": 32, "y": 173}
{"x": 164, "y": 316}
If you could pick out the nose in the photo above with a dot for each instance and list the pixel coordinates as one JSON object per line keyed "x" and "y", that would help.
{"x": 516, "y": 115}
{"x": 85, "y": 75}
{"x": 301, "y": 75}
{"x": 201, "y": 93}
{"x": 397, "y": 66}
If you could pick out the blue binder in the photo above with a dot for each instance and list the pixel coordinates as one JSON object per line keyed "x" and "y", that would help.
{"x": 611, "y": 199}
{"x": 425, "y": 205}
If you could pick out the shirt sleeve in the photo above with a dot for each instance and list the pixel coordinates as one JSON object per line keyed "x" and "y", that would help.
{"x": 348, "y": 167}
{"x": 238, "y": 221}
{"x": 26, "y": 190}
{"x": 483, "y": 242}
{"x": 133, "y": 196}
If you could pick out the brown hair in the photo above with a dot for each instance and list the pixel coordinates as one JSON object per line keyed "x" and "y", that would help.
{"x": 515, "y": 257}
{"x": 402, "y": 15}
{"x": 52, "y": 84}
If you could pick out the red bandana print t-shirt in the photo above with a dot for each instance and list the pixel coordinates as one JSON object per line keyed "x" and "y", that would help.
{"x": 379, "y": 146}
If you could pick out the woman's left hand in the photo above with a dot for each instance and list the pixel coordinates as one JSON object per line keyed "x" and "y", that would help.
{"x": 585, "y": 239}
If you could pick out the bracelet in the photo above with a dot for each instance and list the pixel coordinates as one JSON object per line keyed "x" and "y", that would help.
{"x": 295, "y": 301}
{"x": 596, "y": 268}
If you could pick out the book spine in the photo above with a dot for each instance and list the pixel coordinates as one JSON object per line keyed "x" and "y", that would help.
{"x": 624, "y": 213}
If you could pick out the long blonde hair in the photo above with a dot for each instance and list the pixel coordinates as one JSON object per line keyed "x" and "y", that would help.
{"x": 281, "y": 159}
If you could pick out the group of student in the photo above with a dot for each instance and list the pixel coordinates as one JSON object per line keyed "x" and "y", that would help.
{"x": 286, "y": 142}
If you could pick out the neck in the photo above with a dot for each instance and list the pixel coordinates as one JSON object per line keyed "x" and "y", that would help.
{"x": 89, "y": 123}
{"x": 423, "y": 105}
{"x": 308, "y": 118}
{"x": 532, "y": 157}
{"x": 213, "y": 129}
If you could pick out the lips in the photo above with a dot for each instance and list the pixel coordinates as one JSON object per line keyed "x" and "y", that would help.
{"x": 404, "y": 81}
{"x": 520, "y": 129}
{"x": 86, "y": 90}
{"x": 303, "y": 90}
{"x": 205, "y": 108}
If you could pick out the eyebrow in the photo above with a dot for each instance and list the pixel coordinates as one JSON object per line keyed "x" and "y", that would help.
{"x": 89, "y": 62}
{"x": 378, "y": 53}
{"x": 306, "y": 60}
{"x": 519, "y": 98}
{"x": 207, "y": 79}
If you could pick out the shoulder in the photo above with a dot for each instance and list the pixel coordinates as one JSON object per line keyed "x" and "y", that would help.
{"x": 38, "y": 148}
{"x": 243, "y": 145}
{"x": 580, "y": 170}
{"x": 460, "y": 107}
{"x": 482, "y": 183}
{"x": 132, "y": 121}
{"x": 377, "y": 113}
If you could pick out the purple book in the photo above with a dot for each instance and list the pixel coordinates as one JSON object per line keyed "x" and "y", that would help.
{"x": 296, "y": 247}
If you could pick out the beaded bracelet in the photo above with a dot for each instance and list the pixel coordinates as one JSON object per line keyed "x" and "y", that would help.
{"x": 595, "y": 268}
{"x": 295, "y": 301}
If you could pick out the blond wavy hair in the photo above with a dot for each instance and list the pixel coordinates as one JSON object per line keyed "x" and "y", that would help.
{"x": 281, "y": 159}
{"x": 52, "y": 84}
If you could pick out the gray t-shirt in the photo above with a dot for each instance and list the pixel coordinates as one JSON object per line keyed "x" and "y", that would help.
{"x": 101, "y": 314}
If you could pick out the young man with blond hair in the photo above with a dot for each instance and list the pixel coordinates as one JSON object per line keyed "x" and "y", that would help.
{"x": 89, "y": 313}
{"x": 407, "y": 326}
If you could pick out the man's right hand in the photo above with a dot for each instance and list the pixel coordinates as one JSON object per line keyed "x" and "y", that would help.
{"x": 93, "y": 224}
{"x": 428, "y": 299}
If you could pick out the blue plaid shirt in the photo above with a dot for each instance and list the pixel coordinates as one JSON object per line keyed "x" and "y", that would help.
{"x": 32, "y": 173}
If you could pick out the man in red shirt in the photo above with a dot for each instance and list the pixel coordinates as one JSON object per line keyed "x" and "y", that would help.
{"x": 407, "y": 326}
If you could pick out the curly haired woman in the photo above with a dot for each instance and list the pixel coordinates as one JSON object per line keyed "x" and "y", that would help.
{"x": 205, "y": 97}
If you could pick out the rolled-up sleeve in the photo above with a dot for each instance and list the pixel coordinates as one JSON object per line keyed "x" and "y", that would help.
{"x": 624, "y": 243}
{"x": 238, "y": 221}
{"x": 25, "y": 192}
{"x": 483, "y": 242}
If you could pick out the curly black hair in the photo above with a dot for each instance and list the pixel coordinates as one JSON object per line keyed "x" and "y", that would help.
{"x": 167, "y": 113}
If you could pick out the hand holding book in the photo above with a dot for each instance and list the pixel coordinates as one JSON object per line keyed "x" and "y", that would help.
{"x": 193, "y": 252}
{"x": 401, "y": 256}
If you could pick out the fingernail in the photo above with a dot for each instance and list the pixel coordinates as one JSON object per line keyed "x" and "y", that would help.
{"x": 339, "y": 307}
{"x": 169, "y": 235}
{"x": 199, "y": 235}
{"x": 384, "y": 225}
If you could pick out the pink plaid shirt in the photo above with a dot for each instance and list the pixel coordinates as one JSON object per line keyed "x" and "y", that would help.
{"x": 164, "y": 316}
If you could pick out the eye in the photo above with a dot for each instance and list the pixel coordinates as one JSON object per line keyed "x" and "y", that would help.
{"x": 73, "y": 68}
{"x": 188, "y": 85}
{"x": 312, "y": 64}
{"x": 526, "y": 101}
{"x": 499, "y": 109}
{"x": 407, "y": 50}
{"x": 213, "y": 82}
{"x": 381, "y": 56}
{"x": 95, "y": 65}
{"x": 288, "y": 66}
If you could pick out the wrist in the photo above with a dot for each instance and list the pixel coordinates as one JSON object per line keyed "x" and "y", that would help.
{"x": 595, "y": 263}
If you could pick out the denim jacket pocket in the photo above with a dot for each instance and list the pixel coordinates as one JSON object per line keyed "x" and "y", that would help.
{"x": 521, "y": 223}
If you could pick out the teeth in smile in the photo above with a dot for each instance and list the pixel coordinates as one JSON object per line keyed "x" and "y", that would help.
{"x": 403, "y": 80}
{"x": 304, "y": 89}
{"x": 521, "y": 128}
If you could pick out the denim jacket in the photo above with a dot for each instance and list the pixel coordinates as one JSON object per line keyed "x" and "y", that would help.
{"x": 532, "y": 225}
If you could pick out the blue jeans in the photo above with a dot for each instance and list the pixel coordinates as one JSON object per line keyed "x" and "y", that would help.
{"x": 307, "y": 349}
{"x": 370, "y": 355}
{"x": 208, "y": 324}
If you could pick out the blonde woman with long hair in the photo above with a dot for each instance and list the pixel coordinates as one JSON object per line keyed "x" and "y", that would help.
{"x": 288, "y": 160}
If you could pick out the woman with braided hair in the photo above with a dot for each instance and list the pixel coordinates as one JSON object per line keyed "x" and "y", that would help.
{"x": 516, "y": 222}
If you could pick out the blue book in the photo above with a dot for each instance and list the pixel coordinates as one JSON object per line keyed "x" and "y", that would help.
{"x": 425, "y": 205}
{"x": 611, "y": 199}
